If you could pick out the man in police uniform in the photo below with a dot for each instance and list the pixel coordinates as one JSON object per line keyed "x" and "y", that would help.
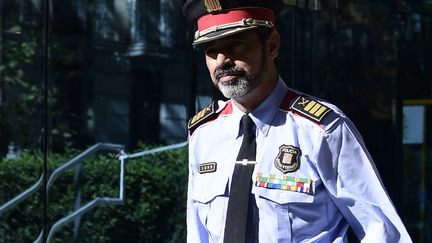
{"x": 308, "y": 173}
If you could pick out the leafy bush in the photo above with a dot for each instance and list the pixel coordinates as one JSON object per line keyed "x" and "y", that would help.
{"x": 154, "y": 209}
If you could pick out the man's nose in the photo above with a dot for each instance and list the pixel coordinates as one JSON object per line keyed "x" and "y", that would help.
{"x": 222, "y": 59}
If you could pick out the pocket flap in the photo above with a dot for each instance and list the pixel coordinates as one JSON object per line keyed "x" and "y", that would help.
{"x": 209, "y": 186}
{"x": 281, "y": 196}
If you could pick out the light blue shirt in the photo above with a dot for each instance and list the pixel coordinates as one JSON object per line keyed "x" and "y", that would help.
{"x": 335, "y": 184}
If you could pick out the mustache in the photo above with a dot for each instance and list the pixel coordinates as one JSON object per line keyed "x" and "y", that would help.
{"x": 234, "y": 70}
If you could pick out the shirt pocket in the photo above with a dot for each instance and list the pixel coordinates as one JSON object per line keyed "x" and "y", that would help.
{"x": 281, "y": 203}
{"x": 209, "y": 186}
{"x": 211, "y": 200}
{"x": 281, "y": 196}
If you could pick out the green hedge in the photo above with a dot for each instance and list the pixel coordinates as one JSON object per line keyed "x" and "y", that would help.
{"x": 155, "y": 195}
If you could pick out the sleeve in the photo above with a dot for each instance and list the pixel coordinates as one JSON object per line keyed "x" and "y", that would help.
{"x": 196, "y": 232}
{"x": 352, "y": 180}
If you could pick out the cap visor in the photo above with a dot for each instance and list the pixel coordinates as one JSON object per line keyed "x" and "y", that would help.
{"x": 221, "y": 34}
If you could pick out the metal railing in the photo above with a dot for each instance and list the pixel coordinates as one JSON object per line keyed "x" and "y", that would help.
{"x": 22, "y": 196}
{"x": 122, "y": 156}
{"x": 95, "y": 202}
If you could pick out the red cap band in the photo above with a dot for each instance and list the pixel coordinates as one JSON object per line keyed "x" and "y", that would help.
{"x": 235, "y": 15}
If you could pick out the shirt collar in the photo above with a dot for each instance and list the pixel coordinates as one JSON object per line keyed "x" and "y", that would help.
{"x": 263, "y": 115}
{"x": 237, "y": 115}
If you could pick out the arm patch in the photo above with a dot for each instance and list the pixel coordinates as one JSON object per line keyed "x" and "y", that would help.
{"x": 310, "y": 108}
{"x": 206, "y": 114}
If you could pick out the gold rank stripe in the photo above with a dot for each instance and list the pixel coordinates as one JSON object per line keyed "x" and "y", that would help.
{"x": 202, "y": 115}
{"x": 310, "y": 108}
{"x": 199, "y": 115}
{"x": 315, "y": 108}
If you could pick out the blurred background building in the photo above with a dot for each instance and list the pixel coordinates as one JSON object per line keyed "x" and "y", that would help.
{"x": 125, "y": 72}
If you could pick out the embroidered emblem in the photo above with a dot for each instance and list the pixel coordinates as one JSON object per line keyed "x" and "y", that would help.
{"x": 209, "y": 167}
{"x": 287, "y": 183}
{"x": 288, "y": 159}
{"x": 310, "y": 108}
{"x": 212, "y": 5}
{"x": 202, "y": 116}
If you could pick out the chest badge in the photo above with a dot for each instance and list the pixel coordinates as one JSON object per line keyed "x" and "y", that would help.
{"x": 209, "y": 167}
{"x": 288, "y": 159}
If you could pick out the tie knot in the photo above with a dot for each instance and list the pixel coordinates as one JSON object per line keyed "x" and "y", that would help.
{"x": 247, "y": 124}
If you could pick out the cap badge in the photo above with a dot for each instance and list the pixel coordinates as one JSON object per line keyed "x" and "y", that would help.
{"x": 212, "y": 5}
{"x": 288, "y": 159}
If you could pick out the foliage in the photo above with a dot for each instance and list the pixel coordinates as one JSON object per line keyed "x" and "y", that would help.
{"x": 154, "y": 209}
{"x": 20, "y": 99}
{"x": 22, "y": 94}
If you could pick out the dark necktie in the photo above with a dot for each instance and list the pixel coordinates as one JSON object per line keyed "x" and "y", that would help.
{"x": 239, "y": 223}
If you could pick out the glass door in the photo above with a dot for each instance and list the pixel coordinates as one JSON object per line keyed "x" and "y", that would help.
{"x": 22, "y": 121}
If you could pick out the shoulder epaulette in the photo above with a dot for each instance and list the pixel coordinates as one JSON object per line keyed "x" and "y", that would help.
{"x": 310, "y": 108}
{"x": 203, "y": 116}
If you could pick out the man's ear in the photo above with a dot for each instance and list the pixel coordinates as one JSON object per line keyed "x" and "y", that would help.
{"x": 273, "y": 44}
